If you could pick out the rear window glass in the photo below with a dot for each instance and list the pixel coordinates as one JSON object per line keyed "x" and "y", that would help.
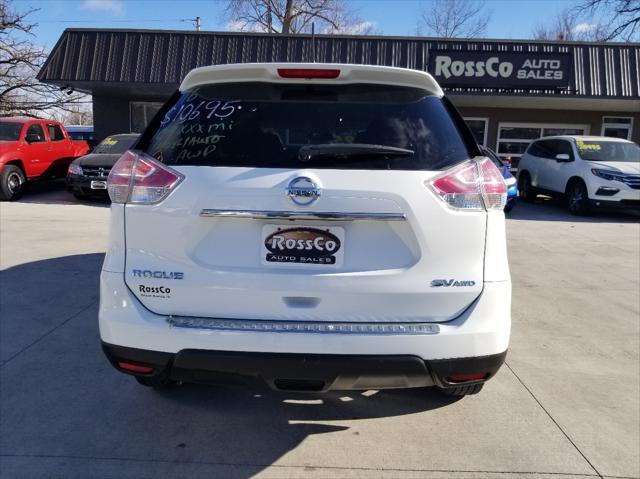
{"x": 307, "y": 126}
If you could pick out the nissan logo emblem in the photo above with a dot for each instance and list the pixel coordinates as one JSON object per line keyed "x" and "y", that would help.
{"x": 303, "y": 191}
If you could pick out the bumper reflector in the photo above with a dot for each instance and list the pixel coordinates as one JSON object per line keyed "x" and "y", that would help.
{"x": 308, "y": 327}
{"x": 460, "y": 378}
{"x": 135, "y": 368}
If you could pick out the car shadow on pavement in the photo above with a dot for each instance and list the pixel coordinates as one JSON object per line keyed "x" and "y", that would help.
{"x": 555, "y": 209}
{"x": 55, "y": 192}
{"x": 62, "y": 401}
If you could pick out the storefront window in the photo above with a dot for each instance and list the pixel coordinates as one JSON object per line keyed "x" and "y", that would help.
{"x": 142, "y": 112}
{"x": 617, "y": 127}
{"x": 519, "y": 133}
{"x": 513, "y": 138}
{"x": 478, "y": 127}
{"x": 562, "y": 131}
{"x": 511, "y": 148}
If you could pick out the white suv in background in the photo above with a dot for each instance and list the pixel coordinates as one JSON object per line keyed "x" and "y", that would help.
{"x": 589, "y": 170}
{"x": 317, "y": 226}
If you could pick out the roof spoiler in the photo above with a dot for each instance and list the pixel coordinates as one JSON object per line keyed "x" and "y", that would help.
{"x": 268, "y": 72}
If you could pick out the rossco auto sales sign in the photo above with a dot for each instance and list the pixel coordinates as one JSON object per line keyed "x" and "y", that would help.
{"x": 500, "y": 69}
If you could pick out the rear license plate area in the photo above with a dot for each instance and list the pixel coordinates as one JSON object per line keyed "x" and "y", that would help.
{"x": 318, "y": 246}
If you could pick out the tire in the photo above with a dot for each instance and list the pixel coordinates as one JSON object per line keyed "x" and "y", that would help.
{"x": 578, "y": 198}
{"x": 509, "y": 207}
{"x": 12, "y": 183}
{"x": 462, "y": 390}
{"x": 526, "y": 192}
{"x": 158, "y": 382}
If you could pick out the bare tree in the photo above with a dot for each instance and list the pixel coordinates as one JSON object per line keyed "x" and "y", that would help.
{"x": 295, "y": 16}
{"x": 454, "y": 19}
{"x": 20, "y": 59}
{"x": 77, "y": 114}
{"x": 621, "y": 18}
{"x": 568, "y": 26}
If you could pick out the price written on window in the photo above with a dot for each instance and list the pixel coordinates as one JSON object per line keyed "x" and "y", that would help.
{"x": 200, "y": 109}
{"x": 196, "y": 126}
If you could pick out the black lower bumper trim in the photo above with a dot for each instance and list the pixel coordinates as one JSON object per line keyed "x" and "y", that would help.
{"x": 308, "y": 372}
{"x": 617, "y": 205}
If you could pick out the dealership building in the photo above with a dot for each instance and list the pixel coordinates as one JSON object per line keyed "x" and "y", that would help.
{"x": 509, "y": 91}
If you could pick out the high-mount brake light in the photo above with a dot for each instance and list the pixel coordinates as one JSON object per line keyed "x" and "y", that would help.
{"x": 325, "y": 73}
{"x": 473, "y": 186}
{"x": 138, "y": 178}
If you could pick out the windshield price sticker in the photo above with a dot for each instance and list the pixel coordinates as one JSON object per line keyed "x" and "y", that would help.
{"x": 588, "y": 146}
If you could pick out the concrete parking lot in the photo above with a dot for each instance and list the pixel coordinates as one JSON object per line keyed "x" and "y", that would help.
{"x": 566, "y": 405}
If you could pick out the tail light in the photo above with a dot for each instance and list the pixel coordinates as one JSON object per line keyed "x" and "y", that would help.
{"x": 138, "y": 178}
{"x": 472, "y": 186}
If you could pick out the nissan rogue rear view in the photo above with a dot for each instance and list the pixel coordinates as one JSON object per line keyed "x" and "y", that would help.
{"x": 315, "y": 226}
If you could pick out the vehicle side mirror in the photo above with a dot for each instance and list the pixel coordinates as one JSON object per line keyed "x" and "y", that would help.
{"x": 33, "y": 138}
{"x": 563, "y": 157}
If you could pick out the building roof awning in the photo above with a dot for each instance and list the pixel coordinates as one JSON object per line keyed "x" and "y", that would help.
{"x": 153, "y": 62}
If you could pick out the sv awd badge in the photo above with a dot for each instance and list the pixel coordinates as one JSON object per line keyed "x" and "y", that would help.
{"x": 448, "y": 283}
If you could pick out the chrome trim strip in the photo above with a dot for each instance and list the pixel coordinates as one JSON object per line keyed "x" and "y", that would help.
{"x": 301, "y": 215}
{"x": 308, "y": 327}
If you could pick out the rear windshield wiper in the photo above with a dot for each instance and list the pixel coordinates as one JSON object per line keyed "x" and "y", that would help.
{"x": 349, "y": 150}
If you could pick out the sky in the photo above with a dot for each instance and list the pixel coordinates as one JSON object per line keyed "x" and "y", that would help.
{"x": 512, "y": 19}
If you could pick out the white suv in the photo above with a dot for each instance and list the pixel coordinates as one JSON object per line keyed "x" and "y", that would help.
{"x": 317, "y": 226}
{"x": 589, "y": 170}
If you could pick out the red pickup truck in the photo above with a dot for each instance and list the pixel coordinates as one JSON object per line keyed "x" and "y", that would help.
{"x": 32, "y": 149}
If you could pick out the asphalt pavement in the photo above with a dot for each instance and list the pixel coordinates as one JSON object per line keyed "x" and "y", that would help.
{"x": 566, "y": 404}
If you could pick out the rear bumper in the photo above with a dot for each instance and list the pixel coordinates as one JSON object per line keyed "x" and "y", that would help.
{"x": 475, "y": 342}
{"x": 483, "y": 329}
{"x": 309, "y": 372}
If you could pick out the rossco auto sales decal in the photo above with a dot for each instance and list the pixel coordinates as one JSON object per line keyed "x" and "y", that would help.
{"x": 313, "y": 246}
{"x": 162, "y": 292}
{"x": 500, "y": 69}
